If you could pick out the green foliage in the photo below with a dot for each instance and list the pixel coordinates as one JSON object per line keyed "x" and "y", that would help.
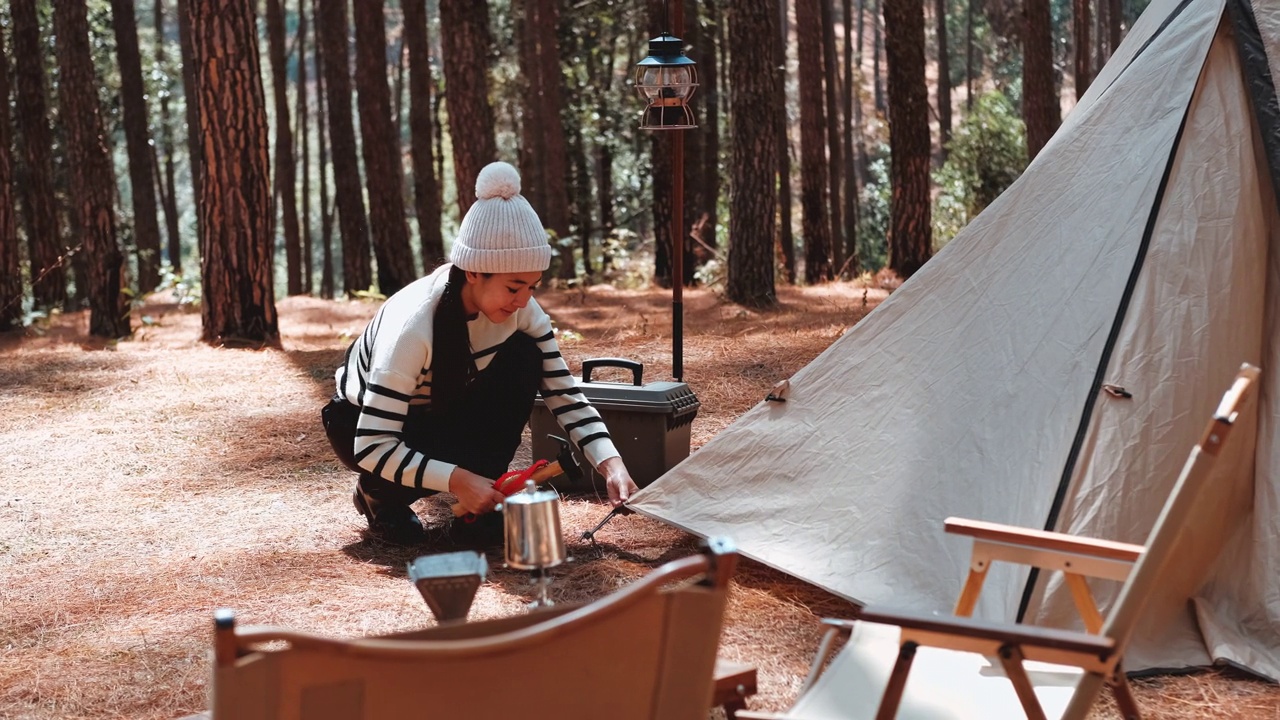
{"x": 187, "y": 289}
{"x": 987, "y": 153}
{"x": 873, "y": 220}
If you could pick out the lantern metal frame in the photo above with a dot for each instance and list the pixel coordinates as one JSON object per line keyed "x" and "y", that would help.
{"x": 667, "y": 99}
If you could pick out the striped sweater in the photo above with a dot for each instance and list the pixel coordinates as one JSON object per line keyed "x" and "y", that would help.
{"x": 388, "y": 369}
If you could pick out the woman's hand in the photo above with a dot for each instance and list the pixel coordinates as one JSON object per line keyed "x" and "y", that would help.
{"x": 475, "y": 492}
{"x": 618, "y": 480}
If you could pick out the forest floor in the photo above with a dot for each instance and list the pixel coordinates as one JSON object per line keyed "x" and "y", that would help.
{"x": 150, "y": 481}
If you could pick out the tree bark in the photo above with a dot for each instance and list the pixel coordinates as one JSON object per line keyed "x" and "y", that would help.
{"x": 878, "y": 35}
{"x": 322, "y": 168}
{"x": 286, "y": 168}
{"x": 968, "y": 55}
{"x": 554, "y": 144}
{"x": 944, "y": 78}
{"x": 235, "y": 232}
{"x": 814, "y": 222}
{"x": 10, "y": 271}
{"x": 465, "y": 49}
{"x": 1102, "y": 32}
{"x": 1080, "y": 40}
{"x": 786, "y": 239}
{"x": 1040, "y": 108}
{"x": 710, "y": 165}
{"x": 660, "y": 143}
{"x": 304, "y": 147}
{"x": 192, "y": 103}
{"x": 92, "y": 184}
{"x": 166, "y": 182}
{"x": 142, "y": 188}
{"x": 910, "y": 233}
{"x": 1115, "y": 18}
{"x": 426, "y": 188}
{"x": 380, "y": 145}
{"x": 331, "y": 22}
{"x": 39, "y": 207}
{"x": 852, "y": 130}
{"x": 835, "y": 162}
{"x": 752, "y": 200}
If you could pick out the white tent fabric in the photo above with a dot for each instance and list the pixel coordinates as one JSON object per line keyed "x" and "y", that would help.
{"x": 1139, "y": 249}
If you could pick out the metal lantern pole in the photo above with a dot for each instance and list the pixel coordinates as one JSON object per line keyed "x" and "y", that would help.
{"x": 677, "y": 228}
{"x": 667, "y": 79}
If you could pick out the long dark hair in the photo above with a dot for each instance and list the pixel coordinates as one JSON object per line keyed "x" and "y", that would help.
{"x": 452, "y": 366}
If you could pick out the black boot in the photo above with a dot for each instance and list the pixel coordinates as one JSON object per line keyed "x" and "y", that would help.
{"x": 391, "y": 522}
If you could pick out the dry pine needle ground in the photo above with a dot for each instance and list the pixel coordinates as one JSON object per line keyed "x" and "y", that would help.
{"x": 150, "y": 481}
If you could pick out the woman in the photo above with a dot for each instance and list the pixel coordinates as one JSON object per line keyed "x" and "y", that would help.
{"x": 435, "y": 394}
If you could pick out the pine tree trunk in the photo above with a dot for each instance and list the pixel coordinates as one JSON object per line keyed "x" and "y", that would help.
{"x": 752, "y": 200}
{"x": 235, "y": 232}
{"x": 660, "y": 144}
{"x": 380, "y": 145}
{"x": 695, "y": 194}
{"x": 465, "y": 49}
{"x": 331, "y": 24}
{"x": 531, "y": 152}
{"x": 285, "y": 167}
{"x": 304, "y": 147}
{"x": 92, "y": 184}
{"x": 968, "y": 55}
{"x": 878, "y": 34}
{"x": 192, "y": 103}
{"x": 786, "y": 240}
{"x": 555, "y": 171}
{"x": 167, "y": 182}
{"x": 322, "y": 168}
{"x": 1101, "y": 33}
{"x": 1080, "y": 39}
{"x": 710, "y": 165}
{"x": 426, "y": 188}
{"x": 1040, "y": 109}
{"x": 852, "y": 160}
{"x": 146, "y": 224}
{"x": 39, "y": 207}
{"x": 835, "y": 163}
{"x": 815, "y": 224}
{"x": 910, "y": 233}
{"x": 944, "y": 78}
{"x": 10, "y": 271}
{"x": 1115, "y": 18}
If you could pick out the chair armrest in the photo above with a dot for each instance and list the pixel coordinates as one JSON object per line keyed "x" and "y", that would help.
{"x": 1092, "y": 653}
{"x": 1044, "y": 540}
{"x": 1025, "y": 636}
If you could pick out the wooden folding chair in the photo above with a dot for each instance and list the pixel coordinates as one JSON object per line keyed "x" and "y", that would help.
{"x": 916, "y": 666}
{"x": 647, "y": 651}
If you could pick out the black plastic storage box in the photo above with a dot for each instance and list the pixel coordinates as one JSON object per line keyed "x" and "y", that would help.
{"x": 650, "y": 423}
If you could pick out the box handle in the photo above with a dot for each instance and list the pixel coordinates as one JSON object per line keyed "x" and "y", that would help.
{"x": 636, "y": 368}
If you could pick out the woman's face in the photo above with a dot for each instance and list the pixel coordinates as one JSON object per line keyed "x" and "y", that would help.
{"x": 499, "y": 295}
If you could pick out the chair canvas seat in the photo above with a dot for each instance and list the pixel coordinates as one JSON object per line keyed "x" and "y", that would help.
{"x": 943, "y": 685}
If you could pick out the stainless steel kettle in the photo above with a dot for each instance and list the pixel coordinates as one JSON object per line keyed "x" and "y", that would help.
{"x": 531, "y": 518}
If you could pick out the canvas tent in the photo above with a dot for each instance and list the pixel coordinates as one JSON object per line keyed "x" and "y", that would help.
{"x": 1141, "y": 249}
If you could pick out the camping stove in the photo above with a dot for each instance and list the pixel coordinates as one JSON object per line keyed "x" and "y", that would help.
{"x": 534, "y": 541}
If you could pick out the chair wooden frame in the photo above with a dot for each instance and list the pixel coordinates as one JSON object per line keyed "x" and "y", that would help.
{"x": 1099, "y": 649}
{"x": 686, "y": 596}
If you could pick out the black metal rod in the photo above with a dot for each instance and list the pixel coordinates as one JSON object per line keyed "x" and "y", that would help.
{"x": 677, "y": 227}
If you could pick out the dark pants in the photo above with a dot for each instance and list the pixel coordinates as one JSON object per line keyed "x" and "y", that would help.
{"x": 480, "y": 433}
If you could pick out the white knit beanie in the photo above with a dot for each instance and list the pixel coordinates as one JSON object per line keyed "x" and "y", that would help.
{"x": 501, "y": 233}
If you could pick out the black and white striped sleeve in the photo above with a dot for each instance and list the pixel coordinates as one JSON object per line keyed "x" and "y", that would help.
{"x": 378, "y": 446}
{"x": 566, "y": 402}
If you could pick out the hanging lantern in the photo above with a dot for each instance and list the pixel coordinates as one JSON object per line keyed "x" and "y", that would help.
{"x": 666, "y": 80}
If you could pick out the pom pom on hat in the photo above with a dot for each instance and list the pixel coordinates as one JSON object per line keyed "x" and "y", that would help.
{"x": 496, "y": 180}
{"x": 501, "y": 232}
